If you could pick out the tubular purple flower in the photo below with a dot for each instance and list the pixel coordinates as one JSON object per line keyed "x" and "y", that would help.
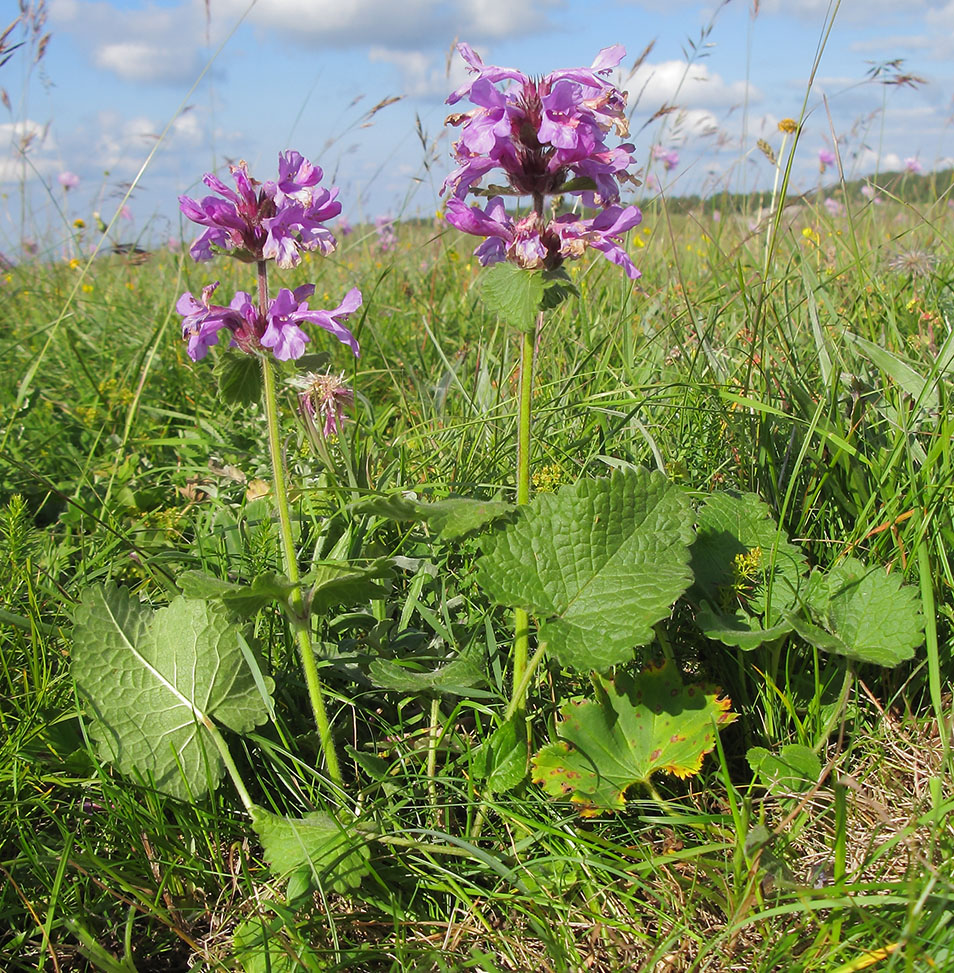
{"x": 333, "y": 321}
{"x": 276, "y": 222}
{"x": 532, "y": 245}
{"x": 540, "y": 132}
{"x": 202, "y": 321}
{"x": 278, "y": 331}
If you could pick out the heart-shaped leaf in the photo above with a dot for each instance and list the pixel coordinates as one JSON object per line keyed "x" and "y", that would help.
{"x": 599, "y": 563}
{"x": 513, "y": 294}
{"x": 455, "y": 678}
{"x": 316, "y": 851}
{"x": 500, "y": 762}
{"x": 156, "y": 682}
{"x": 637, "y": 726}
{"x": 239, "y": 377}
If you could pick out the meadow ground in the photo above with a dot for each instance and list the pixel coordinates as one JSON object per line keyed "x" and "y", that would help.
{"x": 803, "y": 354}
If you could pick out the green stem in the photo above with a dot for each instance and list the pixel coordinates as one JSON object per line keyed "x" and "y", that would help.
{"x": 520, "y": 690}
{"x": 434, "y": 737}
{"x": 299, "y": 614}
{"x": 521, "y": 619}
{"x": 226, "y": 755}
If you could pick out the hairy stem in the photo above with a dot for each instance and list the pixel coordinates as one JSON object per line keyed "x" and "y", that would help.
{"x": 521, "y": 619}
{"x": 299, "y": 614}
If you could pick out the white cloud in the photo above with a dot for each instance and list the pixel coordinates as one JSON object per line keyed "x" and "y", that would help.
{"x": 156, "y": 44}
{"x": 423, "y": 75}
{"x": 27, "y": 152}
{"x": 410, "y": 24}
{"x": 686, "y": 85}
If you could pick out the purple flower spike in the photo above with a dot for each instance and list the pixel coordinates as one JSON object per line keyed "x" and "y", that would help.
{"x": 541, "y": 132}
{"x": 274, "y": 221}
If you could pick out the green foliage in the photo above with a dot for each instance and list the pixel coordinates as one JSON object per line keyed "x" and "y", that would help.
{"x": 456, "y": 677}
{"x": 242, "y": 600}
{"x": 499, "y": 764}
{"x": 316, "y": 851}
{"x": 453, "y": 518}
{"x": 863, "y": 613}
{"x": 794, "y": 768}
{"x": 155, "y": 683}
{"x": 600, "y": 562}
{"x": 747, "y": 576}
{"x": 637, "y": 726}
{"x": 262, "y": 945}
{"x": 239, "y": 378}
{"x": 516, "y": 295}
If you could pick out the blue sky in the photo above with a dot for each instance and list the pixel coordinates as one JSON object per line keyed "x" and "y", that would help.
{"x": 306, "y": 74}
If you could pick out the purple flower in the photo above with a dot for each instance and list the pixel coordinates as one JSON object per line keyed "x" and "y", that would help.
{"x": 289, "y": 309}
{"x": 275, "y": 222}
{"x": 541, "y": 132}
{"x": 913, "y": 165}
{"x": 826, "y": 158}
{"x": 387, "y": 238}
{"x": 279, "y": 330}
{"x": 533, "y": 245}
{"x": 834, "y": 206}
{"x": 202, "y": 321}
{"x": 68, "y": 180}
{"x": 668, "y": 157}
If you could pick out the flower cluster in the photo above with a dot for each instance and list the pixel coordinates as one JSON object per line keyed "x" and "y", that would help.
{"x": 323, "y": 397}
{"x": 548, "y": 137}
{"x": 532, "y": 244}
{"x": 273, "y": 221}
{"x": 261, "y": 222}
{"x": 278, "y": 328}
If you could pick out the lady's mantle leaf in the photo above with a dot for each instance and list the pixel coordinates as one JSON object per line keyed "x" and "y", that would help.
{"x": 599, "y": 562}
{"x": 155, "y": 683}
{"x": 863, "y": 613}
{"x": 638, "y": 725}
{"x": 315, "y": 851}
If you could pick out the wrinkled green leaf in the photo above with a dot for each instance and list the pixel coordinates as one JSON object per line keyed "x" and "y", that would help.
{"x": 863, "y": 613}
{"x": 243, "y": 600}
{"x": 514, "y": 295}
{"x": 336, "y": 583}
{"x": 455, "y": 678}
{"x": 154, "y": 682}
{"x": 314, "y": 852}
{"x": 637, "y": 726}
{"x": 599, "y": 563}
{"x": 499, "y": 764}
{"x": 747, "y": 576}
{"x": 239, "y": 377}
{"x": 452, "y": 518}
{"x": 794, "y": 768}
